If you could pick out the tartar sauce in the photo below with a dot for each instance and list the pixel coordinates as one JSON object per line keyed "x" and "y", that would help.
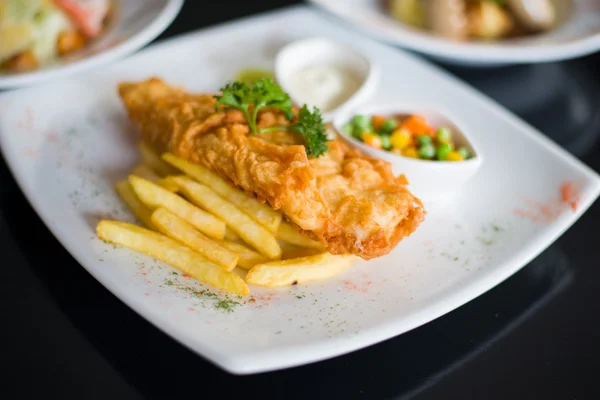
{"x": 324, "y": 86}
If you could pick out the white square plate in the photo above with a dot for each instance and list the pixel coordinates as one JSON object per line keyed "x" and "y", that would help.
{"x": 67, "y": 143}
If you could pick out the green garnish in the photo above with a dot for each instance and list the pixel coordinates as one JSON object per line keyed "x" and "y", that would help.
{"x": 226, "y": 305}
{"x": 310, "y": 126}
{"x": 265, "y": 93}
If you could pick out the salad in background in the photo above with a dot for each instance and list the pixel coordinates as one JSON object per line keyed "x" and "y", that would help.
{"x": 480, "y": 19}
{"x": 35, "y": 33}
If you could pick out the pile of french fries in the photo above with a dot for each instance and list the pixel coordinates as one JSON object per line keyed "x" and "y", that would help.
{"x": 206, "y": 227}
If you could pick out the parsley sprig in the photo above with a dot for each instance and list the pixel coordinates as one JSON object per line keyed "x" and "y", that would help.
{"x": 266, "y": 93}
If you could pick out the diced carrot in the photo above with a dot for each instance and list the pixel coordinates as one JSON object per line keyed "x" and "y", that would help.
{"x": 377, "y": 121}
{"x": 418, "y": 125}
{"x": 69, "y": 42}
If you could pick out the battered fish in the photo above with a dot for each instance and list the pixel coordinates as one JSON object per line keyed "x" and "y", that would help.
{"x": 350, "y": 202}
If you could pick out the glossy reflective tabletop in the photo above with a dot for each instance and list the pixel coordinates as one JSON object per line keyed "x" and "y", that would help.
{"x": 537, "y": 335}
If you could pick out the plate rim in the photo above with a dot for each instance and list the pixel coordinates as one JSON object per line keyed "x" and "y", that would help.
{"x": 474, "y": 53}
{"x": 160, "y": 22}
{"x": 268, "y": 360}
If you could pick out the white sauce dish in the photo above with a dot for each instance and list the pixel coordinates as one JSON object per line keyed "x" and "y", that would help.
{"x": 325, "y": 74}
{"x": 434, "y": 182}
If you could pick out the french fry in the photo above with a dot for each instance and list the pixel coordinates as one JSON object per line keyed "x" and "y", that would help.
{"x": 167, "y": 183}
{"x": 155, "y": 196}
{"x": 152, "y": 159}
{"x": 298, "y": 270}
{"x": 231, "y": 235}
{"x": 261, "y": 213}
{"x": 249, "y": 230}
{"x": 292, "y": 251}
{"x": 173, "y": 253}
{"x": 248, "y": 258}
{"x": 299, "y": 252}
{"x": 139, "y": 209}
{"x": 288, "y": 234}
{"x": 176, "y": 228}
{"x": 144, "y": 171}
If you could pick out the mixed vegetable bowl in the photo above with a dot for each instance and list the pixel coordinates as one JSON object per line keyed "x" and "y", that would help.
{"x": 410, "y": 136}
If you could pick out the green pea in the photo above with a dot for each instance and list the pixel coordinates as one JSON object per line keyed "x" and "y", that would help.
{"x": 427, "y": 151}
{"x": 386, "y": 142}
{"x": 388, "y": 126}
{"x": 362, "y": 122}
{"x": 423, "y": 140}
{"x": 348, "y": 128}
{"x": 442, "y": 151}
{"x": 443, "y": 135}
{"x": 464, "y": 152}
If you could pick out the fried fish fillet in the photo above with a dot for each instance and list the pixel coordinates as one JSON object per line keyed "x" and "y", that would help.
{"x": 350, "y": 202}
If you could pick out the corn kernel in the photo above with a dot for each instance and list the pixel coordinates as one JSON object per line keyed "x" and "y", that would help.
{"x": 454, "y": 156}
{"x": 410, "y": 152}
{"x": 401, "y": 139}
{"x": 371, "y": 139}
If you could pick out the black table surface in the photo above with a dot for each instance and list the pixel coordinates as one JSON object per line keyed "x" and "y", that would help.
{"x": 536, "y": 335}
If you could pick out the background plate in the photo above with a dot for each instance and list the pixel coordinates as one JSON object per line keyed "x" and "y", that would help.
{"x": 136, "y": 23}
{"x": 580, "y": 35}
{"x": 67, "y": 155}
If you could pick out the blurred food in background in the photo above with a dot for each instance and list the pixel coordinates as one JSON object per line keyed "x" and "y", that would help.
{"x": 35, "y": 33}
{"x": 477, "y": 19}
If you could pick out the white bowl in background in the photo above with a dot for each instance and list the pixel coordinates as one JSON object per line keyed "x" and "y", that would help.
{"x": 135, "y": 24}
{"x": 577, "y": 36}
{"x": 434, "y": 182}
{"x": 305, "y": 53}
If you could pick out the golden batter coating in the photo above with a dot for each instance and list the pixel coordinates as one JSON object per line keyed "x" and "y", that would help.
{"x": 350, "y": 202}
